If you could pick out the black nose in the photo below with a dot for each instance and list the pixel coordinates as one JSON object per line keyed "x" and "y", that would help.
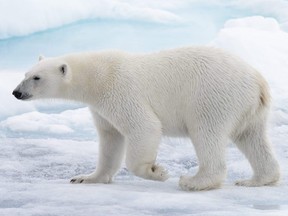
{"x": 17, "y": 94}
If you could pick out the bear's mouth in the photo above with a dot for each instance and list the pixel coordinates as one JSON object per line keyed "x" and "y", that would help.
{"x": 26, "y": 97}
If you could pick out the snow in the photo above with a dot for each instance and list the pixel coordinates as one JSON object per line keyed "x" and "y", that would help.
{"x": 263, "y": 44}
{"x": 52, "y": 14}
{"x": 255, "y": 22}
{"x": 8, "y": 81}
{"x": 35, "y": 172}
{"x": 45, "y": 143}
{"x": 57, "y": 27}
{"x": 69, "y": 123}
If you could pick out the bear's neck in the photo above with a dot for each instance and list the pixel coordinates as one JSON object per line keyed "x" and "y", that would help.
{"x": 80, "y": 91}
{"x": 92, "y": 77}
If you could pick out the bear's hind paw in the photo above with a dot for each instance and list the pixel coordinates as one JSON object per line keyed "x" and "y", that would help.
{"x": 192, "y": 183}
{"x": 254, "y": 183}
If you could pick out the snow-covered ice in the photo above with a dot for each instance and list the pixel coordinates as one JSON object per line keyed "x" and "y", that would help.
{"x": 34, "y": 174}
{"x": 45, "y": 143}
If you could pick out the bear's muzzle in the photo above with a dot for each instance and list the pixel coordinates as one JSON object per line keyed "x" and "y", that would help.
{"x": 21, "y": 96}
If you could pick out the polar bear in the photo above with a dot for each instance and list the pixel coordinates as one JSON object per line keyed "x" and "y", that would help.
{"x": 203, "y": 93}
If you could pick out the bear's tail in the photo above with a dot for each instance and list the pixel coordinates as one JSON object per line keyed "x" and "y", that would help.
{"x": 264, "y": 96}
{"x": 258, "y": 111}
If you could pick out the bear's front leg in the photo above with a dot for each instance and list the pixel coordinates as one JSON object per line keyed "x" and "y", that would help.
{"x": 142, "y": 151}
{"x": 111, "y": 152}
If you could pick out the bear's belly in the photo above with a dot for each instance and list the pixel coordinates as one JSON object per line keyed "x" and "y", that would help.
{"x": 174, "y": 130}
{"x": 173, "y": 114}
{"x": 173, "y": 124}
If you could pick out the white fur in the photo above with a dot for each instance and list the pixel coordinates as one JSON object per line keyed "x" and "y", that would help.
{"x": 200, "y": 92}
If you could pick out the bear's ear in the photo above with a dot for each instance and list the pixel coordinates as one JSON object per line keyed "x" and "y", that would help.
{"x": 65, "y": 72}
{"x": 41, "y": 57}
{"x": 63, "y": 69}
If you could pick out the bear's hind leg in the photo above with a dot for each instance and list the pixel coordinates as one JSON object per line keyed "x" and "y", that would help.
{"x": 256, "y": 147}
{"x": 210, "y": 150}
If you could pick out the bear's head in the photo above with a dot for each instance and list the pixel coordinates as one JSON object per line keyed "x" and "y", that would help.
{"x": 45, "y": 80}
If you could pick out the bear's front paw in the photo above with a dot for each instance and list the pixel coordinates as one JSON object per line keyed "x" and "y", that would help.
{"x": 151, "y": 172}
{"x": 159, "y": 173}
{"x": 90, "y": 179}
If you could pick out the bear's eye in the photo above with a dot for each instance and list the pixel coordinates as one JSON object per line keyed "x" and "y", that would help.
{"x": 36, "y": 78}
